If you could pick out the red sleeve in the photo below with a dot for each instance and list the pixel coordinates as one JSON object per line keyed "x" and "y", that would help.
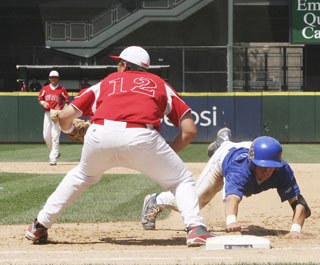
{"x": 179, "y": 109}
{"x": 65, "y": 94}
{"x": 84, "y": 102}
{"x": 81, "y": 92}
{"x": 41, "y": 94}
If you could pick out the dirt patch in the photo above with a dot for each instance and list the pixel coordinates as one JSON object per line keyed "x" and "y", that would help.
{"x": 63, "y": 167}
{"x": 128, "y": 243}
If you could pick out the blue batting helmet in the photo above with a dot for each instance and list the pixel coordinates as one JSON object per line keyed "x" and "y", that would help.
{"x": 266, "y": 151}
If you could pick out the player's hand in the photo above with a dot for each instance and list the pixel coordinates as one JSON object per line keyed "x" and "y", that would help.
{"x": 45, "y": 105}
{"x": 235, "y": 227}
{"x": 293, "y": 235}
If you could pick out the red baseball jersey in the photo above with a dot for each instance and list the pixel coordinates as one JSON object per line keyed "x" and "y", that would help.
{"x": 55, "y": 97}
{"x": 132, "y": 96}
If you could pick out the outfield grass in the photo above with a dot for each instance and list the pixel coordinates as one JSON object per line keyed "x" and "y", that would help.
{"x": 293, "y": 153}
{"x": 37, "y": 152}
{"x": 114, "y": 198}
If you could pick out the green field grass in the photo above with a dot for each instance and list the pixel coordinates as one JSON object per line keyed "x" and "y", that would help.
{"x": 114, "y": 198}
{"x": 294, "y": 153}
{"x": 37, "y": 152}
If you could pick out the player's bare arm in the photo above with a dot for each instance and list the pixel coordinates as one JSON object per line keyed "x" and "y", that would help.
{"x": 301, "y": 211}
{"x": 232, "y": 203}
{"x": 44, "y": 104}
{"x": 188, "y": 131}
{"x": 67, "y": 115}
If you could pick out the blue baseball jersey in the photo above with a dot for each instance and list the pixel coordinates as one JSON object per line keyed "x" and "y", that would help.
{"x": 240, "y": 178}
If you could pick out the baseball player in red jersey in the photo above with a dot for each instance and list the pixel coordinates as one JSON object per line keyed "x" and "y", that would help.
{"x": 52, "y": 97}
{"x": 127, "y": 108}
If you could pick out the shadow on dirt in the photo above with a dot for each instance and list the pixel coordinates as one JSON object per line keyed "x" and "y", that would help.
{"x": 261, "y": 231}
{"x": 175, "y": 241}
{"x": 127, "y": 241}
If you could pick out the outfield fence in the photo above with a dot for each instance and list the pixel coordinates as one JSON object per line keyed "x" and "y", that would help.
{"x": 291, "y": 117}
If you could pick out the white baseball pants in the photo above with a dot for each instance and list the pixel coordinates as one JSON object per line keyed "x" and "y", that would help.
{"x": 114, "y": 145}
{"x": 210, "y": 181}
{"x": 51, "y": 135}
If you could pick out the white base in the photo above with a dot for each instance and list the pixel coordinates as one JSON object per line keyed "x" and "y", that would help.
{"x": 236, "y": 242}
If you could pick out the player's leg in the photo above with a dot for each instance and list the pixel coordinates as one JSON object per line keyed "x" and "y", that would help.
{"x": 99, "y": 153}
{"x": 223, "y": 134}
{"x": 210, "y": 181}
{"x": 153, "y": 157}
{"x": 94, "y": 161}
{"x": 153, "y": 204}
{"x": 167, "y": 200}
{"x": 47, "y": 130}
{"x": 69, "y": 189}
{"x": 55, "y": 133}
{"x": 71, "y": 186}
{"x": 208, "y": 184}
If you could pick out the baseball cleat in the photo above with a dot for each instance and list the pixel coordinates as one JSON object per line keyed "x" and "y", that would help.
{"x": 197, "y": 236}
{"x": 37, "y": 233}
{"x": 52, "y": 162}
{"x": 223, "y": 134}
{"x": 150, "y": 211}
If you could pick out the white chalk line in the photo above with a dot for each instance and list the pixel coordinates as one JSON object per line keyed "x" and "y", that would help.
{"x": 136, "y": 251}
{"x": 142, "y": 258}
{"x": 115, "y": 259}
{"x": 107, "y": 259}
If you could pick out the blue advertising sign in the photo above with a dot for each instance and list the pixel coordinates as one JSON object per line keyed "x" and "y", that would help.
{"x": 241, "y": 114}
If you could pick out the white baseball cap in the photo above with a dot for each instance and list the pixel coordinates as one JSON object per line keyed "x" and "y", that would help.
{"x": 54, "y": 73}
{"x": 135, "y": 55}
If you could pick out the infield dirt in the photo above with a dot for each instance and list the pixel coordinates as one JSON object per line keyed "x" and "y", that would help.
{"x": 128, "y": 243}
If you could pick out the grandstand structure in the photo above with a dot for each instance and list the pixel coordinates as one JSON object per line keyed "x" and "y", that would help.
{"x": 188, "y": 40}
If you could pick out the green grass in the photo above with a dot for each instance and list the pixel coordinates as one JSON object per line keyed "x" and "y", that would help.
{"x": 301, "y": 153}
{"x": 293, "y": 153}
{"x": 37, "y": 152}
{"x": 115, "y": 198}
{"x": 72, "y": 152}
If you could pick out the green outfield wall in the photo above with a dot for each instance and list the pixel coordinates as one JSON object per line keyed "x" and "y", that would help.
{"x": 291, "y": 117}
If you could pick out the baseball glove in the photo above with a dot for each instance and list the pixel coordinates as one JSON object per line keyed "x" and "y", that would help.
{"x": 79, "y": 131}
{"x": 54, "y": 114}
